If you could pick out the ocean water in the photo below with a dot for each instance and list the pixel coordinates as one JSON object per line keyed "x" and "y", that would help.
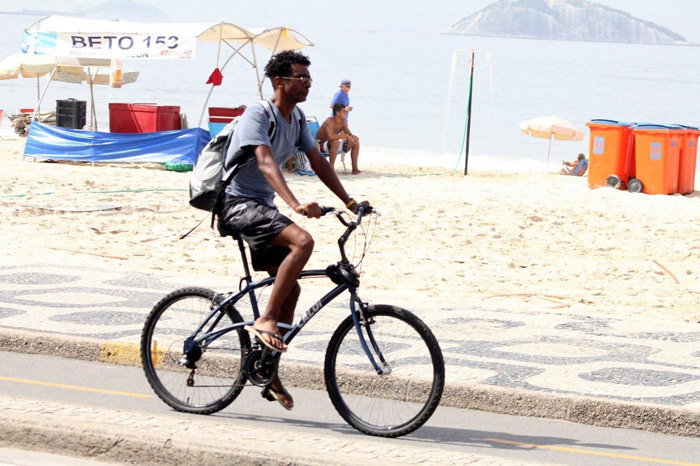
{"x": 406, "y": 98}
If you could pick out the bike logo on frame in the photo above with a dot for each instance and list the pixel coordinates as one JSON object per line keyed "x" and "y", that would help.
{"x": 310, "y": 313}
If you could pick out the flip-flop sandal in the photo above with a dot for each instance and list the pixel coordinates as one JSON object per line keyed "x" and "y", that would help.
{"x": 259, "y": 336}
{"x": 270, "y": 394}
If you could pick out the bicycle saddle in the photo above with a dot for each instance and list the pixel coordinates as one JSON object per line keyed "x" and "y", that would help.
{"x": 224, "y": 230}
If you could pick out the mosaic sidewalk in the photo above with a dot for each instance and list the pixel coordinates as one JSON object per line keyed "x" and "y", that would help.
{"x": 530, "y": 348}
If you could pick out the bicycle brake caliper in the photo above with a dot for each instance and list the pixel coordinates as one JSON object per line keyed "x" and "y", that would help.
{"x": 364, "y": 320}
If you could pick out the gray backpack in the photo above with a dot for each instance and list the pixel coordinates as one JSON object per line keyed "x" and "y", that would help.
{"x": 210, "y": 175}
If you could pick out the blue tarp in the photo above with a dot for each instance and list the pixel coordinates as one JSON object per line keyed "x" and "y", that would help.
{"x": 50, "y": 142}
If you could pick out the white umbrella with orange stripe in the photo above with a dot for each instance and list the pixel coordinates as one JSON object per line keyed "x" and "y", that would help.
{"x": 551, "y": 127}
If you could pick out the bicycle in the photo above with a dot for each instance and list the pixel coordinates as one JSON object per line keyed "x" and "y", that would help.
{"x": 385, "y": 379}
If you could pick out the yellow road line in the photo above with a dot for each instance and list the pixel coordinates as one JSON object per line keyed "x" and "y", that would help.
{"x": 591, "y": 452}
{"x": 74, "y": 387}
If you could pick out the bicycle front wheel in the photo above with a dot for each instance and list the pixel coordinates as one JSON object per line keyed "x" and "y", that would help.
{"x": 408, "y": 391}
{"x": 208, "y": 378}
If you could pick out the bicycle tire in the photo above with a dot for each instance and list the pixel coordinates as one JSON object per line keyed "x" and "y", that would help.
{"x": 218, "y": 378}
{"x": 412, "y": 388}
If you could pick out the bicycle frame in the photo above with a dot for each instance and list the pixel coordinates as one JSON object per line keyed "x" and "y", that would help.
{"x": 218, "y": 312}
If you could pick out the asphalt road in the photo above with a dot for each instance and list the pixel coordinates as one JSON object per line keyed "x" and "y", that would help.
{"x": 516, "y": 438}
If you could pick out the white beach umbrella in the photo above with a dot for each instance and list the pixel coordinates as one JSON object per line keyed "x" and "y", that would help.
{"x": 64, "y": 69}
{"x": 551, "y": 127}
{"x": 27, "y": 66}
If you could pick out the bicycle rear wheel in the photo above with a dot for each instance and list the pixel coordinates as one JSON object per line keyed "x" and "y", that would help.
{"x": 214, "y": 377}
{"x": 405, "y": 396}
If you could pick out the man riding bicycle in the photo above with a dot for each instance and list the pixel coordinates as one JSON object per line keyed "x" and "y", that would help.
{"x": 277, "y": 245}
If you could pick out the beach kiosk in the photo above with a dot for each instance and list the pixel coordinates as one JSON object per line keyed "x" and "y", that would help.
{"x": 83, "y": 38}
{"x": 611, "y": 154}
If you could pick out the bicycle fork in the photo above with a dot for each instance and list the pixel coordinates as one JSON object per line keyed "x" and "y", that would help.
{"x": 360, "y": 319}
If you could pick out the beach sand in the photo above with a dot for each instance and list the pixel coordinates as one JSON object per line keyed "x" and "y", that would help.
{"x": 539, "y": 240}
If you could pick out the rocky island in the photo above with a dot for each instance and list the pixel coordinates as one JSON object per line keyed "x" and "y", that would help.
{"x": 125, "y": 10}
{"x": 564, "y": 20}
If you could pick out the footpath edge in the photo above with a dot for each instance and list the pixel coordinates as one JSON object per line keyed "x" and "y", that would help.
{"x": 130, "y": 437}
{"x": 583, "y": 410}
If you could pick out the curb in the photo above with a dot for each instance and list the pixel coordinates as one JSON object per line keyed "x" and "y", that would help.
{"x": 583, "y": 410}
{"x": 129, "y": 437}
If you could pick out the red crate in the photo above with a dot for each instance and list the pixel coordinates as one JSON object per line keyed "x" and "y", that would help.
{"x": 223, "y": 114}
{"x": 143, "y": 118}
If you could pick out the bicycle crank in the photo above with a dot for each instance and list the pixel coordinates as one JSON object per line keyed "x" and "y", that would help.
{"x": 260, "y": 370}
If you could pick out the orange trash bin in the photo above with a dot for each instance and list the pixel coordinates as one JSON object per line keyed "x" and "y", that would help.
{"x": 657, "y": 148}
{"x": 687, "y": 159}
{"x": 611, "y": 153}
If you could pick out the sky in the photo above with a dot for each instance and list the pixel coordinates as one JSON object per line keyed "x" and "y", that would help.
{"x": 680, "y": 16}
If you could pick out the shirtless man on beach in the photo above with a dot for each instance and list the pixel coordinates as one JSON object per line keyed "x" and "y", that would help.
{"x": 334, "y": 135}
{"x": 277, "y": 245}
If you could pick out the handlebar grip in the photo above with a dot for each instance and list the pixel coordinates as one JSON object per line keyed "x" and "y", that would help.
{"x": 324, "y": 211}
{"x": 365, "y": 209}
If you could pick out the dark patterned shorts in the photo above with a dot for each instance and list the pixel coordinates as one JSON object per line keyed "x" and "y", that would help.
{"x": 256, "y": 223}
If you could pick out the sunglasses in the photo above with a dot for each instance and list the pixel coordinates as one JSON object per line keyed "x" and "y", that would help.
{"x": 301, "y": 79}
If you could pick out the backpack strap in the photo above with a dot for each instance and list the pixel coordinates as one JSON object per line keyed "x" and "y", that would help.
{"x": 271, "y": 131}
{"x": 296, "y": 113}
{"x": 272, "y": 128}
{"x": 299, "y": 116}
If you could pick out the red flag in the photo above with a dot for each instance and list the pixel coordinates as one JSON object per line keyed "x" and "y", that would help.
{"x": 216, "y": 77}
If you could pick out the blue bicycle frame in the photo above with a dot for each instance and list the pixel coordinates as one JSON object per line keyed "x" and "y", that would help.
{"x": 342, "y": 276}
{"x": 218, "y": 313}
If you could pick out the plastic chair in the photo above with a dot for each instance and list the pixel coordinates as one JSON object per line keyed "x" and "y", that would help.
{"x": 581, "y": 168}
{"x": 314, "y": 126}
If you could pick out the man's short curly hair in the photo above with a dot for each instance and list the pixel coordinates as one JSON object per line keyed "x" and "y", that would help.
{"x": 280, "y": 64}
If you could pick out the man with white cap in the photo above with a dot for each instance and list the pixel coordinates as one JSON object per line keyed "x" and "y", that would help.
{"x": 341, "y": 97}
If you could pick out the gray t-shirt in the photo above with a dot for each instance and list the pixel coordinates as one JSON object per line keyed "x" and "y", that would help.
{"x": 252, "y": 130}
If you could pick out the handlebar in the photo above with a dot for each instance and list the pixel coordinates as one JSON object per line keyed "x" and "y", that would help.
{"x": 361, "y": 212}
{"x": 351, "y": 225}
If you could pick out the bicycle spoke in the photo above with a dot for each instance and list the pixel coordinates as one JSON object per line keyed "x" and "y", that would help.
{"x": 404, "y": 396}
{"x": 216, "y": 378}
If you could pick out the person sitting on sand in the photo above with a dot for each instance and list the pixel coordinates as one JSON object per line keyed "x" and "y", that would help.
{"x": 334, "y": 135}
{"x": 575, "y": 168}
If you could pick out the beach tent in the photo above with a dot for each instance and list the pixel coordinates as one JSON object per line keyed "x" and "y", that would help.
{"x": 126, "y": 40}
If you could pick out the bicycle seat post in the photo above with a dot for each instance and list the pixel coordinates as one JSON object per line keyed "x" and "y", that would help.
{"x": 244, "y": 258}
